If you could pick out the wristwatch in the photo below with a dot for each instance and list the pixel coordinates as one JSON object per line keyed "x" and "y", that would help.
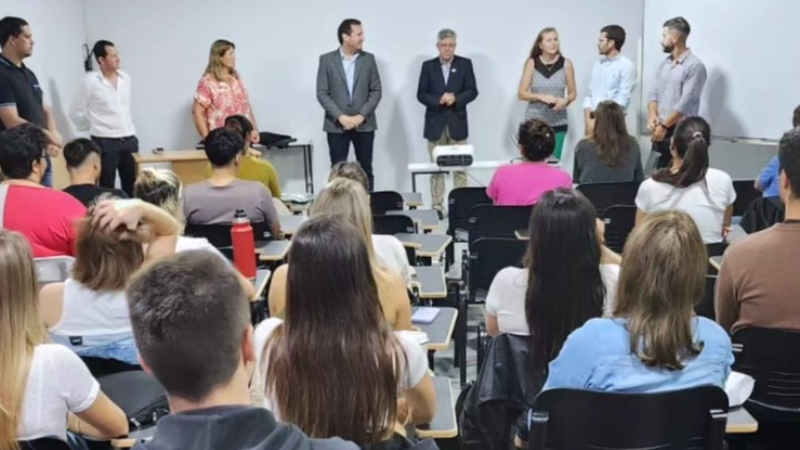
{"x": 661, "y": 124}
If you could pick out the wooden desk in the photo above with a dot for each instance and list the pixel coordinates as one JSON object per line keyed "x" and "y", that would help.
{"x": 273, "y": 250}
{"x": 290, "y": 224}
{"x": 412, "y": 199}
{"x": 188, "y": 165}
{"x": 262, "y": 278}
{"x": 425, "y": 219}
{"x": 429, "y": 281}
{"x": 426, "y": 245}
{"x": 716, "y": 262}
{"x": 444, "y": 425}
{"x": 522, "y": 235}
{"x": 741, "y": 422}
{"x": 440, "y": 331}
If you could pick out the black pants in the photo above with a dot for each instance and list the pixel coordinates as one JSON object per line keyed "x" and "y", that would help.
{"x": 663, "y": 149}
{"x": 339, "y": 147}
{"x": 117, "y": 153}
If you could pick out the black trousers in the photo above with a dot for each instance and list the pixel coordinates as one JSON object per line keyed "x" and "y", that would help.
{"x": 663, "y": 148}
{"x": 117, "y": 154}
{"x": 339, "y": 148}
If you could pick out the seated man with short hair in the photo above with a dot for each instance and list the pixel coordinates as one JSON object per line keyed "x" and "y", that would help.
{"x": 173, "y": 305}
{"x": 46, "y": 217}
{"x": 83, "y": 164}
{"x": 758, "y": 283}
{"x": 214, "y": 201}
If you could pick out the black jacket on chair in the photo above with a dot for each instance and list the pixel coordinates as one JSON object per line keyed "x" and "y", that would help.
{"x": 505, "y": 389}
{"x": 461, "y": 83}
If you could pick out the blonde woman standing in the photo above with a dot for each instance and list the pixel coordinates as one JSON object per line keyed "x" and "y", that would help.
{"x": 42, "y": 385}
{"x": 221, "y": 92}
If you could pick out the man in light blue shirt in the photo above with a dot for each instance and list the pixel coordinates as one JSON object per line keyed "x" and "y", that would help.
{"x": 613, "y": 76}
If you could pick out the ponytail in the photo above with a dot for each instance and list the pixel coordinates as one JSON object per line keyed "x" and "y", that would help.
{"x": 691, "y": 142}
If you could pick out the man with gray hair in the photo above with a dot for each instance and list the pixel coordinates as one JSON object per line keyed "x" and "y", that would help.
{"x": 446, "y": 86}
{"x": 679, "y": 85}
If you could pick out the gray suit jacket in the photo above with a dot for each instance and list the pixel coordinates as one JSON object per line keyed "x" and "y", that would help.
{"x": 332, "y": 91}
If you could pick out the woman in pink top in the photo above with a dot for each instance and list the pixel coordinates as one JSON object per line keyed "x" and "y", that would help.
{"x": 523, "y": 183}
{"x": 221, "y": 93}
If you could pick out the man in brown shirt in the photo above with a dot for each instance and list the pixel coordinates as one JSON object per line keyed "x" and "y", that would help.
{"x": 759, "y": 284}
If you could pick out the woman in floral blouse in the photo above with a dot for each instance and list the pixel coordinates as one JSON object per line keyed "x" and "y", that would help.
{"x": 221, "y": 93}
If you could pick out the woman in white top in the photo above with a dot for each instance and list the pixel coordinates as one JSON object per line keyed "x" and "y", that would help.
{"x": 689, "y": 185}
{"x": 569, "y": 276}
{"x": 333, "y": 366}
{"x": 89, "y": 312}
{"x": 43, "y": 387}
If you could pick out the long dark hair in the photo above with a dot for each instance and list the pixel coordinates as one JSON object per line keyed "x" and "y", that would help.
{"x": 565, "y": 288}
{"x": 690, "y": 142}
{"x": 334, "y": 321}
{"x": 536, "y": 51}
{"x": 611, "y": 134}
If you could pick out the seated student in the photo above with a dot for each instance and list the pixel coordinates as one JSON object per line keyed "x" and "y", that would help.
{"x": 174, "y": 303}
{"x": 653, "y": 342}
{"x": 333, "y": 367}
{"x": 768, "y": 180}
{"x": 83, "y": 164}
{"x": 352, "y": 171}
{"x": 349, "y": 199}
{"x": 45, "y": 217}
{"x": 610, "y": 154}
{"x": 689, "y": 185}
{"x": 523, "y": 183}
{"x": 758, "y": 283}
{"x": 162, "y": 188}
{"x": 252, "y": 166}
{"x": 569, "y": 276}
{"x": 214, "y": 201}
{"x": 44, "y": 387}
{"x": 88, "y": 312}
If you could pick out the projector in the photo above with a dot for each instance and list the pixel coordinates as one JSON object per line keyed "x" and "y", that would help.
{"x": 453, "y": 155}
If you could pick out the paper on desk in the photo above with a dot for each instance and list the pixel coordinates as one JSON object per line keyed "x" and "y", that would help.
{"x": 739, "y": 387}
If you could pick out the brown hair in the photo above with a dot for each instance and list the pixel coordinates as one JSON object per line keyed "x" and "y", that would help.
{"x": 350, "y": 170}
{"x": 661, "y": 279}
{"x": 162, "y": 188}
{"x": 104, "y": 261}
{"x": 334, "y": 320}
{"x": 21, "y": 330}
{"x": 611, "y": 134}
{"x": 690, "y": 141}
{"x": 215, "y": 67}
{"x": 536, "y": 51}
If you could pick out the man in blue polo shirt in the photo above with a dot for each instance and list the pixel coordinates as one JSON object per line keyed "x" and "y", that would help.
{"x": 21, "y": 98}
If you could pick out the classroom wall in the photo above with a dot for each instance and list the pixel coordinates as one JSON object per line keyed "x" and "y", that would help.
{"x": 58, "y": 33}
{"x": 164, "y": 46}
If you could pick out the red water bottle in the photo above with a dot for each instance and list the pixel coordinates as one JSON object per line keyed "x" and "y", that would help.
{"x": 244, "y": 247}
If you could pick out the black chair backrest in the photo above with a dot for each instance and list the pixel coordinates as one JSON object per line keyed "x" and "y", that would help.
{"x": 716, "y": 249}
{"x": 48, "y": 443}
{"x": 746, "y": 193}
{"x": 487, "y": 256}
{"x": 392, "y": 225}
{"x": 383, "y": 201}
{"x": 138, "y": 394}
{"x": 620, "y": 220}
{"x": 605, "y": 195}
{"x": 706, "y": 306}
{"x": 497, "y": 221}
{"x": 459, "y": 204}
{"x": 571, "y": 419}
{"x": 220, "y": 235}
{"x": 772, "y": 357}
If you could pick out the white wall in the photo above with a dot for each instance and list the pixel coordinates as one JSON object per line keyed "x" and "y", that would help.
{"x": 164, "y": 46}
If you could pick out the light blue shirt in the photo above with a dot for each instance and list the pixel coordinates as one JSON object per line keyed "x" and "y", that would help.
{"x": 769, "y": 177}
{"x": 679, "y": 85}
{"x": 598, "y": 356}
{"x": 446, "y": 70}
{"x": 612, "y": 79}
{"x": 349, "y": 66}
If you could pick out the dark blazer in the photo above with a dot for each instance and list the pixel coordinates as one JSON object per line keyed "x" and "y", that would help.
{"x": 461, "y": 83}
{"x": 332, "y": 91}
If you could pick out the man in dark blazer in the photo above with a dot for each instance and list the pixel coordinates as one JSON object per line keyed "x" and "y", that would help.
{"x": 349, "y": 90}
{"x": 446, "y": 86}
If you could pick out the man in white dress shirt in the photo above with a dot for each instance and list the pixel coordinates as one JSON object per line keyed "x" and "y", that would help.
{"x": 103, "y": 108}
{"x": 613, "y": 75}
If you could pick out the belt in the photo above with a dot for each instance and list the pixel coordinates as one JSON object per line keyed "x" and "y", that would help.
{"x": 120, "y": 139}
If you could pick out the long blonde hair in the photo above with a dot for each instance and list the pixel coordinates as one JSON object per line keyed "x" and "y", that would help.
{"x": 215, "y": 67}
{"x": 21, "y": 330}
{"x": 661, "y": 279}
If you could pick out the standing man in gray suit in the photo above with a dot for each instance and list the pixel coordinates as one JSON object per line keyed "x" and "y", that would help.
{"x": 349, "y": 90}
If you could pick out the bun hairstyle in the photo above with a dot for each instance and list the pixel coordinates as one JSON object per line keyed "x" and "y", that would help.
{"x": 690, "y": 142}
{"x": 536, "y": 140}
{"x": 162, "y": 188}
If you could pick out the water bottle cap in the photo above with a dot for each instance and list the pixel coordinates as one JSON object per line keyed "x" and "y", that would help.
{"x": 240, "y": 217}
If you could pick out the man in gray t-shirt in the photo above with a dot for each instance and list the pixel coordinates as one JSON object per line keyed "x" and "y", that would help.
{"x": 214, "y": 201}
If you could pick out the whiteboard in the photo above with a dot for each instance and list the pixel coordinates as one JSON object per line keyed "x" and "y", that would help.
{"x": 750, "y": 50}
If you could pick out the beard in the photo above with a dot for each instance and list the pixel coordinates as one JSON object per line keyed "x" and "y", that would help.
{"x": 668, "y": 48}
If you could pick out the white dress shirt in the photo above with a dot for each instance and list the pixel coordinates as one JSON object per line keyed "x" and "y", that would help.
{"x": 102, "y": 109}
{"x": 349, "y": 66}
{"x": 612, "y": 79}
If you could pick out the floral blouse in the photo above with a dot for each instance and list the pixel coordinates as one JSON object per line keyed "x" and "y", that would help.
{"x": 222, "y": 99}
